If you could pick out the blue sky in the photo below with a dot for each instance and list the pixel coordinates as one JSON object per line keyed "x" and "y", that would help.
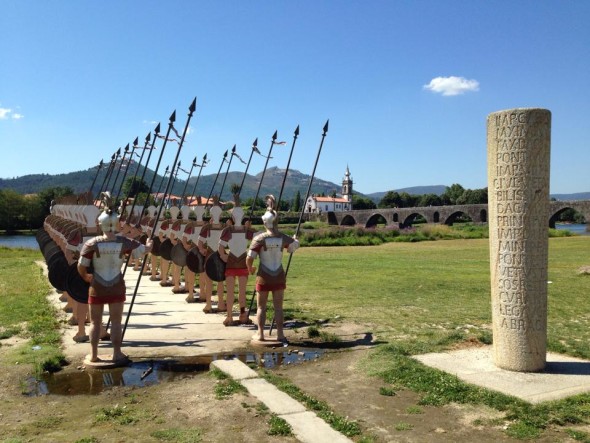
{"x": 406, "y": 85}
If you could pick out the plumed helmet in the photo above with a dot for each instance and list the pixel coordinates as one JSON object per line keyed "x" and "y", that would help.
{"x": 270, "y": 219}
{"x": 109, "y": 219}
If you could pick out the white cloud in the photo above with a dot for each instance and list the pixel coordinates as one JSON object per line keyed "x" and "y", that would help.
{"x": 452, "y": 85}
{"x": 6, "y": 113}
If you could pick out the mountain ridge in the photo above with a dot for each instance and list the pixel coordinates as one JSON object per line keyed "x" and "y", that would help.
{"x": 81, "y": 181}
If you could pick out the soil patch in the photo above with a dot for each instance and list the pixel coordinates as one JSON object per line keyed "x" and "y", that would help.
{"x": 189, "y": 405}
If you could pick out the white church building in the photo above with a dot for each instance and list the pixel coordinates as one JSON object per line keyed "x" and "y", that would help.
{"x": 338, "y": 203}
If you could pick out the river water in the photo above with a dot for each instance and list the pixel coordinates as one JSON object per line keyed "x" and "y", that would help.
{"x": 30, "y": 242}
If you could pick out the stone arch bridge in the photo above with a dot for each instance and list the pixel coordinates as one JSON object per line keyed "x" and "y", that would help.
{"x": 447, "y": 215}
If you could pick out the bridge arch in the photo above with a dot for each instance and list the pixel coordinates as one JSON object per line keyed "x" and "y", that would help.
{"x": 454, "y": 216}
{"x": 409, "y": 220}
{"x": 374, "y": 220}
{"x": 436, "y": 217}
{"x": 348, "y": 220}
{"x": 483, "y": 216}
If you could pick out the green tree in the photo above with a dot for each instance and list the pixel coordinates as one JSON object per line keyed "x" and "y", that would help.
{"x": 134, "y": 186}
{"x": 391, "y": 199}
{"x": 430, "y": 200}
{"x": 297, "y": 202}
{"x": 362, "y": 203}
{"x": 12, "y": 210}
{"x": 452, "y": 193}
{"x": 47, "y": 195}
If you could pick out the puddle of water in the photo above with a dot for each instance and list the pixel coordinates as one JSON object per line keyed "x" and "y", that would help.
{"x": 151, "y": 372}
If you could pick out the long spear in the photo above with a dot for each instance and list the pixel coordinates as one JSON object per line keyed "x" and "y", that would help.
{"x": 303, "y": 209}
{"x": 272, "y": 143}
{"x": 233, "y": 152}
{"x": 126, "y": 151}
{"x": 151, "y": 148}
{"x": 162, "y": 181}
{"x": 96, "y": 176}
{"x": 117, "y": 155}
{"x": 295, "y": 135}
{"x": 188, "y": 178}
{"x": 106, "y": 176}
{"x": 215, "y": 181}
{"x": 254, "y": 149}
{"x": 192, "y": 108}
{"x": 135, "y": 142}
{"x": 203, "y": 164}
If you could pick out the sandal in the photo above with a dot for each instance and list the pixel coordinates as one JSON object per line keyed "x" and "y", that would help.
{"x": 230, "y": 322}
{"x": 81, "y": 338}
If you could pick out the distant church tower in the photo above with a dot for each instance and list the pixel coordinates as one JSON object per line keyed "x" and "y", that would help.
{"x": 347, "y": 185}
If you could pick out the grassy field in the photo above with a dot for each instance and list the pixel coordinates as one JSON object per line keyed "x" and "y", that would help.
{"x": 411, "y": 291}
{"x": 422, "y": 290}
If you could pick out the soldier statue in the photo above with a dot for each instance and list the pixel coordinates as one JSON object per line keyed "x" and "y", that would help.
{"x": 99, "y": 265}
{"x": 268, "y": 247}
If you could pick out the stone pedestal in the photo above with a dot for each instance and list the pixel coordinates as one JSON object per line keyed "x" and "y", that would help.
{"x": 518, "y": 143}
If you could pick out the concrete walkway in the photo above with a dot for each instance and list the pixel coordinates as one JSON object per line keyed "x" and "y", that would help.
{"x": 306, "y": 426}
{"x": 163, "y": 325}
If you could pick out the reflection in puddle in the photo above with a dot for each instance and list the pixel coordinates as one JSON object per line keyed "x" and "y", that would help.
{"x": 151, "y": 372}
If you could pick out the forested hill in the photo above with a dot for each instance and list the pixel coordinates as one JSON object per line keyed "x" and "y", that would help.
{"x": 80, "y": 181}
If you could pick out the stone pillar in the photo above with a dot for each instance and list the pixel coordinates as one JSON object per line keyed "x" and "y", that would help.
{"x": 518, "y": 196}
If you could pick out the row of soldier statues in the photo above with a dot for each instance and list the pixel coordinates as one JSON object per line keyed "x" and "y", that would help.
{"x": 191, "y": 241}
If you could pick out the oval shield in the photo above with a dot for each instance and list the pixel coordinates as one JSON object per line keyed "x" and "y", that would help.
{"x": 179, "y": 254}
{"x": 195, "y": 261}
{"x": 156, "y": 246}
{"x": 166, "y": 249}
{"x": 75, "y": 285}
{"x": 57, "y": 272}
{"x": 215, "y": 267}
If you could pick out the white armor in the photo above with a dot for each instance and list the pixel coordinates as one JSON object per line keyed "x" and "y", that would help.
{"x": 107, "y": 262}
{"x": 271, "y": 255}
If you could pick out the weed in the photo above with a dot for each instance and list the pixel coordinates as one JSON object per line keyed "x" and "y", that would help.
{"x": 414, "y": 410}
{"x": 175, "y": 435}
{"x": 117, "y": 414}
{"x": 578, "y": 435}
{"x": 387, "y": 391}
{"x": 279, "y": 426}
{"x": 403, "y": 426}
{"x": 87, "y": 440}
{"x": 227, "y": 387}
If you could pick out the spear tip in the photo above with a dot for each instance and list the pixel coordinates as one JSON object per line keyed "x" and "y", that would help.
{"x": 225, "y": 155}
{"x": 275, "y": 135}
{"x": 194, "y": 161}
{"x": 233, "y": 150}
{"x": 157, "y": 130}
{"x": 255, "y": 142}
{"x": 136, "y": 141}
{"x": 148, "y": 137}
{"x": 205, "y": 157}
{"x": 297, "y": 130}
{"x": 193, "y": 106}
{"x": 173, "y": 117}
{"x": 118, "y": 152}
{"x": 127, "y": 148}
{"x": 326, "y": 126}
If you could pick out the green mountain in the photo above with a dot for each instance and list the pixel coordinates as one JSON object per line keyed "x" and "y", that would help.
{"x": 81, "y": 181}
